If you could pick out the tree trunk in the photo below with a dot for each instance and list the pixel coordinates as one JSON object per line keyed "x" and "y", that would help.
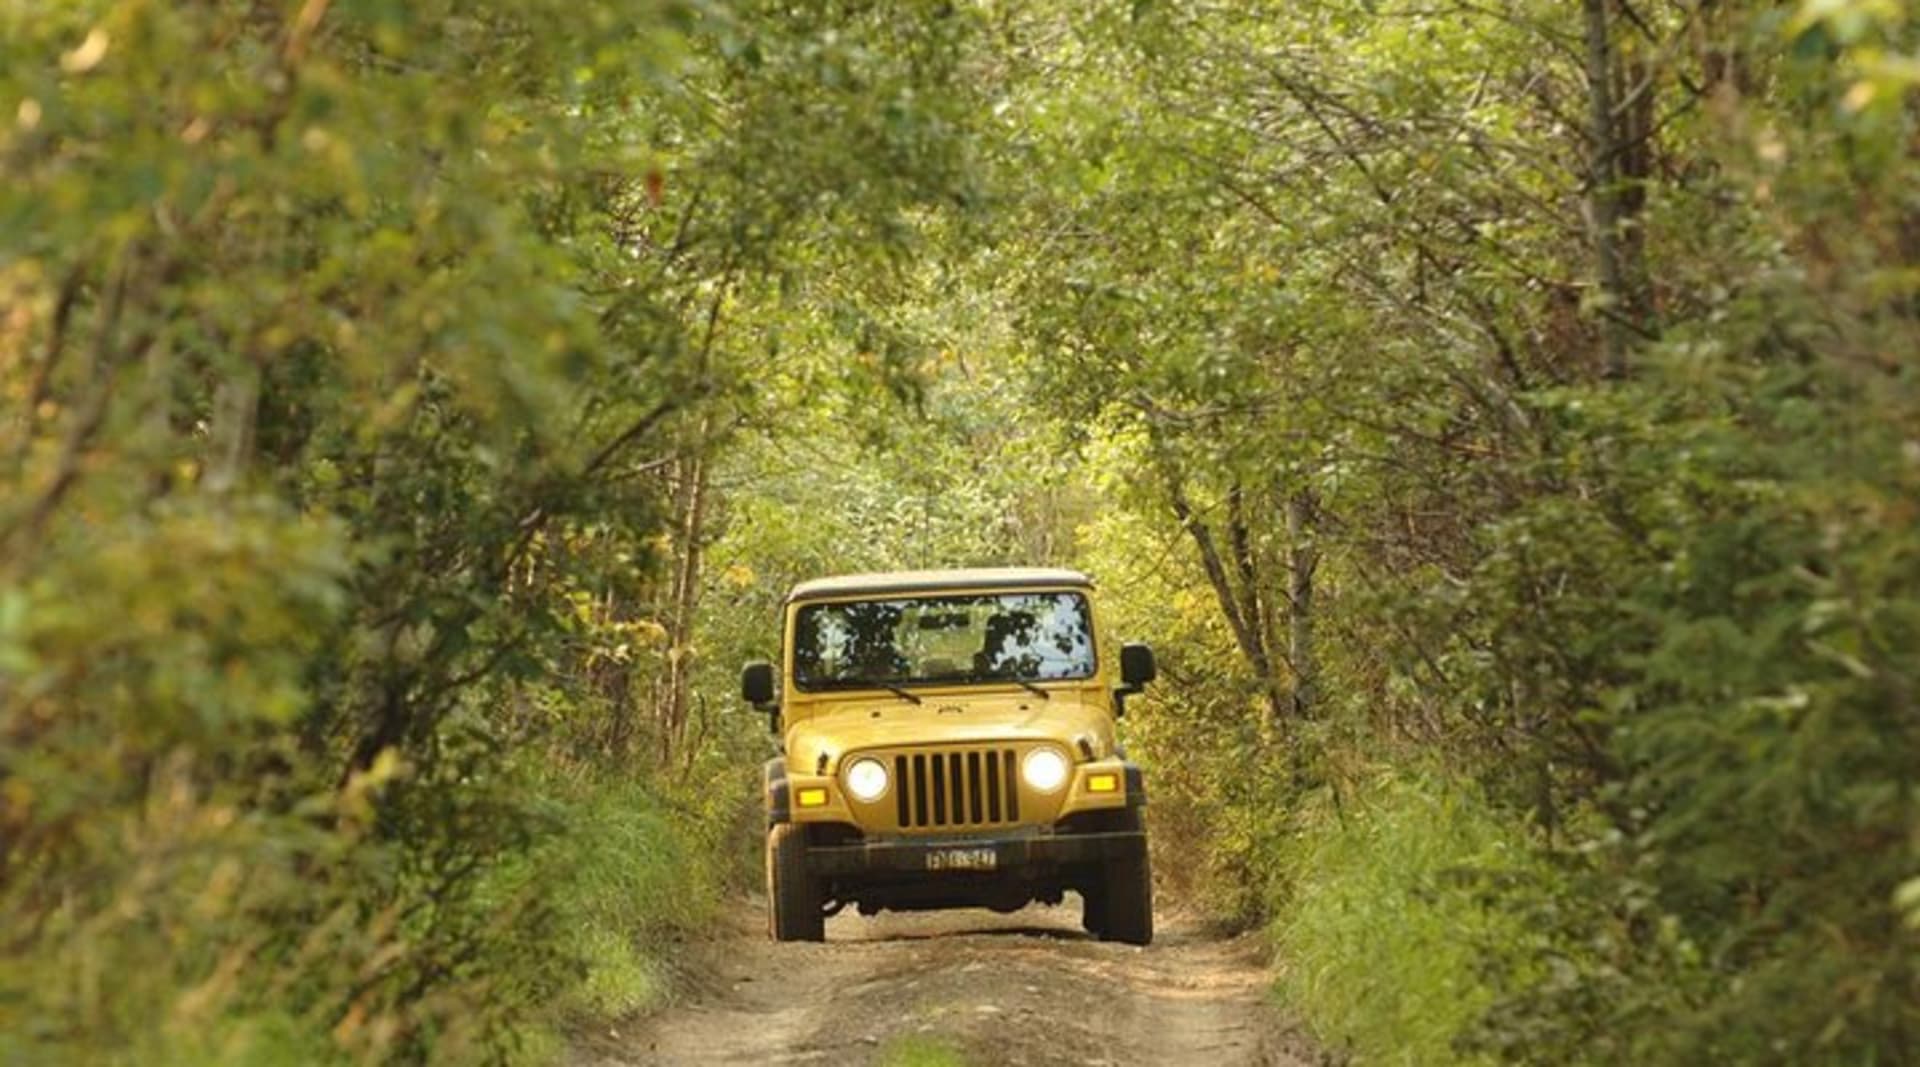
{"x": 1635, "y": 125}
{"x": 684, "y": 601}
{"x": 1303, "y": 559}
{"x": 236, "y": 409}
{"x": 1603, "y": 207}
{"x": 1246, "y": 627}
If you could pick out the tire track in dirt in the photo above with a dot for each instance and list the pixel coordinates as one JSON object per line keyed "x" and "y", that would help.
{"x": 1026, "y": 989}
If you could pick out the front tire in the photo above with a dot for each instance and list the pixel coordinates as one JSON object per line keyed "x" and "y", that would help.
{"x": 1120, "y": 907}
{"x": 1093, "y": 906}
{"x": 794, "y": 907}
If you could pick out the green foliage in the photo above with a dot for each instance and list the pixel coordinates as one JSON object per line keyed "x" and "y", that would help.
{"x": 416, "y": 411}
{"x": 1615, "y": 524}
{"x": 920, "y": 1052}
{"x": 1386, "y": 938}
{"x": 344, "y": 347}
{"x": 630, "y": 872}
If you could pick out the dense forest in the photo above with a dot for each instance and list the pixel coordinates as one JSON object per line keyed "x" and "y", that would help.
{"x": 1503, "y": 417}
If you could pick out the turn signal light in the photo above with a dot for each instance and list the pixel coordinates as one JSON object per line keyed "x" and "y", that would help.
{"x": 813, "y": 797}
{"x": 1103, "y": 783}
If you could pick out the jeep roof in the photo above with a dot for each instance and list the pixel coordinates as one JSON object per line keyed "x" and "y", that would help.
{"x": 928, "y": 581}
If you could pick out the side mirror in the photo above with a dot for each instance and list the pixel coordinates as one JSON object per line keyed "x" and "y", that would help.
{"x": 756, "y": 683}
{"x": 1136, "y": 665}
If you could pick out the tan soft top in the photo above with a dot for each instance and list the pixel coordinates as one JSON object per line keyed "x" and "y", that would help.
{"x": 929, "y": 581}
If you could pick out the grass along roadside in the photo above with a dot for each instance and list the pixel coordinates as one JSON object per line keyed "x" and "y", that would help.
{"x": 1383, "y": 942}
{"x": 631, "y": 872}
{"x": 915, "y": 1050}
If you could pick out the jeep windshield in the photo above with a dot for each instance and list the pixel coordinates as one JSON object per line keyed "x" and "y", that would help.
{"x": 1017, "y": 638}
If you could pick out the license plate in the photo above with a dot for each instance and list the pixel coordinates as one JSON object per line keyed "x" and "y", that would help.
{"x": 962, "y": 859}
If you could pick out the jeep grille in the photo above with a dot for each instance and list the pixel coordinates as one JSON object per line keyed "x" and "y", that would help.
{"x": 968, "y": 787}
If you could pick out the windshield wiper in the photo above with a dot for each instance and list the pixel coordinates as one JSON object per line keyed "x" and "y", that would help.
{"x": 1015, "y": 679}
{"x": 1031, "y": 688}
{"x": 875, "y": 683}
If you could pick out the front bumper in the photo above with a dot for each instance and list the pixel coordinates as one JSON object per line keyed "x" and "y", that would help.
{"x": 1011, "y": 854}
{"x": 786, "y": 803}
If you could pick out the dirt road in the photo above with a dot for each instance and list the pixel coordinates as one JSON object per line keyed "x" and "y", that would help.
{"x": 964, "y": 987}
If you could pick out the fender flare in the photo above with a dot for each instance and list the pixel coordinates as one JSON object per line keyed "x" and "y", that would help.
{"x": 777, "y": 793}
{"x": 1136, "y": 785}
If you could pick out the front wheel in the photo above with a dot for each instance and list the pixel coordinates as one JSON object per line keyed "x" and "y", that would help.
{"x": 794, "y": 907}
{"x": 1120, "y": 906}
{"x": 1093, "y": 909}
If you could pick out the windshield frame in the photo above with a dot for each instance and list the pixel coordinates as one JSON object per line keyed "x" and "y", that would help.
{"x": 818, "y": 689}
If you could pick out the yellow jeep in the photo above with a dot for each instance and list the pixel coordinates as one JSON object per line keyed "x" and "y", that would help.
{"x": 949, "y": 742}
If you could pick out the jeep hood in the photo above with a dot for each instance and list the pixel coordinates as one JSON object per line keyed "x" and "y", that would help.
{"x": 943, "y": 719}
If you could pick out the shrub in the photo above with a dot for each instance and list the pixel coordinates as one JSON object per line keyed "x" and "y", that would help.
{"x": 1383, "y": 933}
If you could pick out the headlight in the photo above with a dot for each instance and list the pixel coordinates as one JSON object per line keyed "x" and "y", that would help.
{"x": 1045, "y": 769}
{"x": 867, "y": 780}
